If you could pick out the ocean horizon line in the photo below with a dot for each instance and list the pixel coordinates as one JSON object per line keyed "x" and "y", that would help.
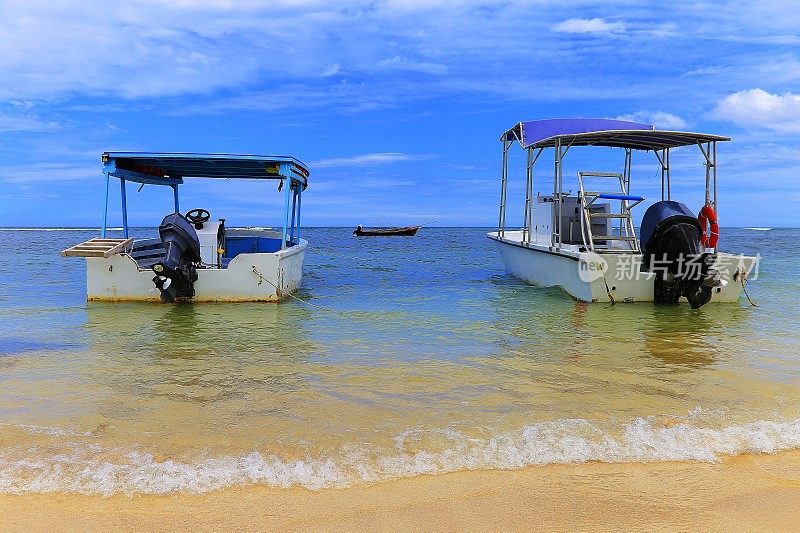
{"x": 84, "y": 228}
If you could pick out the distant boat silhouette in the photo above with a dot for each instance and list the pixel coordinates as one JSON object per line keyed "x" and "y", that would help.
{"x": 407, "y": 231}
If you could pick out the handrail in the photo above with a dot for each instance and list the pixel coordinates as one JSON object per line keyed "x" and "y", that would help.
{"x": 608, "y": 196}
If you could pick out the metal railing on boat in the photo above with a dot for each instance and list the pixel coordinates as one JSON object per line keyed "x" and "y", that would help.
{"x": 627, "y": 232}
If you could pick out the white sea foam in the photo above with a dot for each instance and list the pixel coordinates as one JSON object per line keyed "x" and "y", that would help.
{"x": 88, "y": 468}
{"x": 53, "y": 431}
{"x": 759, "y": 229}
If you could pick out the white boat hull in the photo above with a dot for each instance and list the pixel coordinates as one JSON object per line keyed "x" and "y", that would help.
{"x": 249, "y": 277}
{"x": 572, "y": 271}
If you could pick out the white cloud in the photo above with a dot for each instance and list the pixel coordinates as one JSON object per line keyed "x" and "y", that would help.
{"x": 761, "y": 109}
{"x": 378, "y": 158}
{"x": 660, "y": 119}
{"x": 595, "y": 25}
{"x": 11, "y": 123}
{"x": 331, "y": 70}
{"x": 402, "y": 63}
{"x": 343, "y": 97}
{"x": 29, "y": 173}
{"x": 147, "y": 49}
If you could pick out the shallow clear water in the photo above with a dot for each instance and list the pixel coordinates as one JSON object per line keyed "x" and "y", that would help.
{"x": 414, "y": 355}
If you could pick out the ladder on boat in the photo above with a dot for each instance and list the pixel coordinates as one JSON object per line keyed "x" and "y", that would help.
{"x": 626, "y": 232}
{"x": 98, "y": 247}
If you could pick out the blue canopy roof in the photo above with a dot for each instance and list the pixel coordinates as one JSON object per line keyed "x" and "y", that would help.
{"x": 601, "y": 132}
{"x": 171, "y": 168}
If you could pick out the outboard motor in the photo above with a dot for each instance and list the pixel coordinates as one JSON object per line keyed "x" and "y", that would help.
{"x": 176, "y": 274}
{"x": 670, "y": 237}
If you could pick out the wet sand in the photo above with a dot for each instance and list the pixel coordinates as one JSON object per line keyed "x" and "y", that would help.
{"x": 744, "y": 493}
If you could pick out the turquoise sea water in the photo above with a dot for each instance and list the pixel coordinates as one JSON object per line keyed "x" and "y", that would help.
{"x": 406, "y": 356}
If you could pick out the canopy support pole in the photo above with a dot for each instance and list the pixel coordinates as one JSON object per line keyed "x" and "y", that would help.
{"x": 501, "y": 223}
{"x": 288, "y": 187}
{"x": 711, "y": 168}
{"x": 526, "y": 219}
{"x": 175, "y": 196}
{"x": 526, "y": 230}
{"x": 626, "y": 187}
{"x": 714, "y": 160}
{"x": 666, "y": 186}
{"x": 626, "y": 171}
{"x": 555, "y": 215}
{"x": 124, "y": 208}
{"x": 299, "y": 203}
{"x": 669, "y": 182}
{"x": 294, "y": 210}
{"x": 561, "y": 191}
{"x": 105, "y": 206}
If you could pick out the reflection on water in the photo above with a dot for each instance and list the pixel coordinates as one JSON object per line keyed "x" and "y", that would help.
{"x": 424, "y": 357}
{"x": 679, "y": 337}
{"x": 683, "y": 338}
{"x": 193, "y": 331}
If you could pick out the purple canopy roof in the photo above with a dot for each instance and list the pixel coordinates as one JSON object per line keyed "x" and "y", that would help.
{"x": 601, "y": 132}
{"x": 538, "y": 130}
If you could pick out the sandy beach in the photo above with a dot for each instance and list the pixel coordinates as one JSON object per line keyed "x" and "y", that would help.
{"x": 397, "y": 265}
{"x": 745, "y": 493}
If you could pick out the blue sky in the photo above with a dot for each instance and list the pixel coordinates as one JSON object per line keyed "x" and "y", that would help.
{"x": 397, "y": 105}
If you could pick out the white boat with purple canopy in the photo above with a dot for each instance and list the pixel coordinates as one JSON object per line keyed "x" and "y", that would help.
{"x": 196, "y": 258}
{"x": 585, "y": 241}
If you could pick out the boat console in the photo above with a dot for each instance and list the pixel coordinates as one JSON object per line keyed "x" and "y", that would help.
{"x": 211, "y": 235}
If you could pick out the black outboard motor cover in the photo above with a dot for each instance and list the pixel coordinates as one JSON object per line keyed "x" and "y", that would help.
{"x": 664, "y": 213}
{"x": 670, "y": 237}
{"x": 176, "y": 274}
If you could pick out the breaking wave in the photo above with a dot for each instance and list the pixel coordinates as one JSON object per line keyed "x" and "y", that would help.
{"x": 91, "y": 469}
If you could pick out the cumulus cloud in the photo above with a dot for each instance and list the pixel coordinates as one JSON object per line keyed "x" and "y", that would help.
{"x": 18, "y": 124}
{"x": 761, "y": 109}
{"x": 148, "y": 49}
{"x": 402, "y": 63}
{"x": 660, "y": 119}
{"x": 595, "y": 25}
{"x": 331, "y": 70}
{"x": 364, "y": 160}
{"x": 47, "y": 172}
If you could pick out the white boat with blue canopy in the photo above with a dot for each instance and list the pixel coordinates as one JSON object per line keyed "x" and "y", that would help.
{"x": 196, "y": 258}
{"x": 585, "y": 241}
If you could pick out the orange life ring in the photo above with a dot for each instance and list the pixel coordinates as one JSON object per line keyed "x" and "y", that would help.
{"x": 707, "y": 214}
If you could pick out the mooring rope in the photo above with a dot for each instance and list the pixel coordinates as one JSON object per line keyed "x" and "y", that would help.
{"x": 262, "y": 278}
{"x": 608, "y": 290}
{"x": 744, "y": 288}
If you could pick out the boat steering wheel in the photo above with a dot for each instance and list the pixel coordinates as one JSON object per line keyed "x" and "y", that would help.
{"x": 198, "y": 217}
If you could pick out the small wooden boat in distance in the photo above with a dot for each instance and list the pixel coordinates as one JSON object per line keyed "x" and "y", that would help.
{"x": 377, "y": 232}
